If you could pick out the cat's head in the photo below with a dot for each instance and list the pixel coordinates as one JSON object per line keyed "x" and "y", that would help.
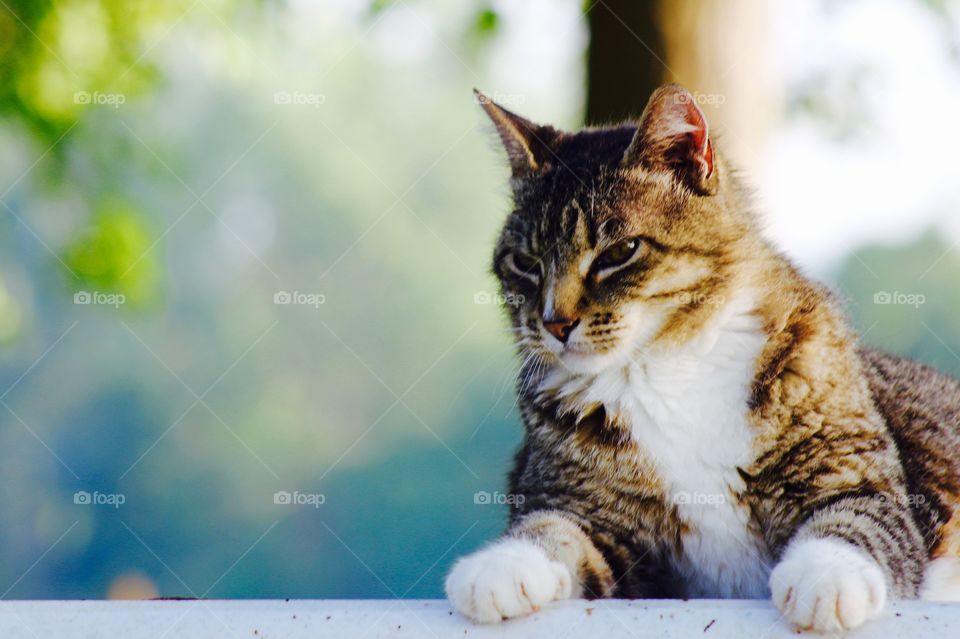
{"x": 620, "y": 237}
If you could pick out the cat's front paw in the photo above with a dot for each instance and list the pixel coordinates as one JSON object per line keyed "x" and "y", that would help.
{"x": 827, "y": 585}
{"x": 513, "y": 577}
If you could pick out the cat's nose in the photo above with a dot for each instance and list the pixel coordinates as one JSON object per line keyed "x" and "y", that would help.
{"x": 560, "y": 327}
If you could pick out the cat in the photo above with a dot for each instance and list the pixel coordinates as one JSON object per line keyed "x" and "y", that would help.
{"x": 700, "y": 420}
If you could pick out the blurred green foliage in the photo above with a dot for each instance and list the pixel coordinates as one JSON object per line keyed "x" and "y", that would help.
{"x": 111, "y": 256}
{"x": 200, "y": 198}
{"x": 59, "y": 60}
{"x": 55, "y": 51}
{"x": 487, "y": 20}
{"x": 904, "y": 298}
{"x": 10, "y": 315}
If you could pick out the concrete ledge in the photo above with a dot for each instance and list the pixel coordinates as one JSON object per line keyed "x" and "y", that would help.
{"x": 371, "y": 619}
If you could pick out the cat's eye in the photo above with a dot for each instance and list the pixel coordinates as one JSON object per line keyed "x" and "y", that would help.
{"x": 524, "y": 265}
{"x": 618, "y": 255}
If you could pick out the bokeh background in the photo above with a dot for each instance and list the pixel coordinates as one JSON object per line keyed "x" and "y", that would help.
{"x": 249, "y": 347}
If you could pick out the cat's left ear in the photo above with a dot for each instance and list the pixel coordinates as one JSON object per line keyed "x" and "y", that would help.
{"x": 673, "y": 135}
{"x": 528, "y": 144}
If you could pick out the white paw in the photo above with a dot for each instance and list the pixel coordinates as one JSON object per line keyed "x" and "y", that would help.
{"x": 513, "y": 577}
{"x": 827, "y": 585}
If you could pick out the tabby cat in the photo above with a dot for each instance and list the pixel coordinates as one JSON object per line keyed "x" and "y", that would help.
{"x": 700, "y": 420}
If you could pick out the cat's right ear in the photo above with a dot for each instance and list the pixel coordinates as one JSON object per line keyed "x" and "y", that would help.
{"x": 673, "y": 135}
{"x": 528, "y": 145}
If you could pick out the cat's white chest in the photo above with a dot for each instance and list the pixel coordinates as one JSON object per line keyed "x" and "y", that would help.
{"x": 688, "y": 412}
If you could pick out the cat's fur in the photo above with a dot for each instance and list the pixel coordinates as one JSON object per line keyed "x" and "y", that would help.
{"x": 702, "y": 421}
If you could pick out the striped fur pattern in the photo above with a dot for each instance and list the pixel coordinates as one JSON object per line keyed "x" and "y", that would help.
{"x": 699, "y": 418}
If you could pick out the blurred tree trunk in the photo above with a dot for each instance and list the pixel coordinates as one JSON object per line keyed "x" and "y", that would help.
{"x": 717, "y": 50}
{"x": 626, "y": 41}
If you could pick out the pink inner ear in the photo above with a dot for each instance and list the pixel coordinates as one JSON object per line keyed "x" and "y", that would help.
{"x": 704, "y": 153}
{"x": 673, "y": 135}
{"x": 702, "y": 147}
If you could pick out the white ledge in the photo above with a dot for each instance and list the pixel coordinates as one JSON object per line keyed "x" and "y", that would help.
{"x": 371, "y": 619}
